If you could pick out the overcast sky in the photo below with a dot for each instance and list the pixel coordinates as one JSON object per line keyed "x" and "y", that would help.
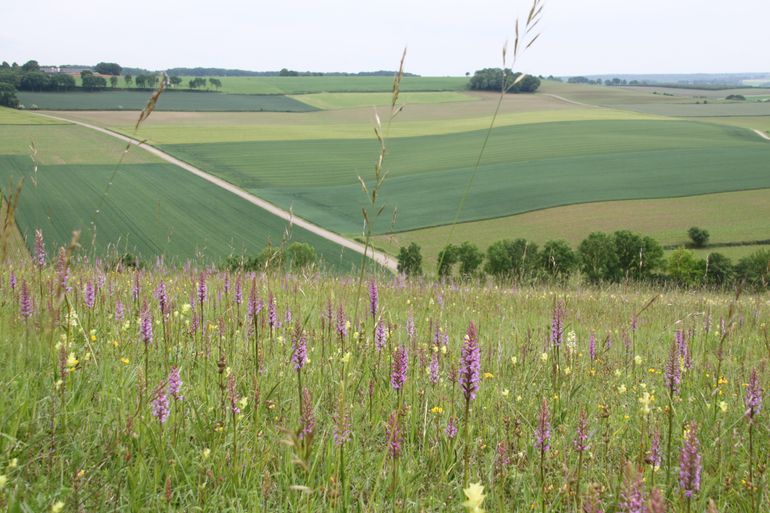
{"x": 447, "y": 37}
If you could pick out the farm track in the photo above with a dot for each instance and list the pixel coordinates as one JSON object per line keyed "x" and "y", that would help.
{"x": 378, "y": 256}
{"x": 761, "y": 134}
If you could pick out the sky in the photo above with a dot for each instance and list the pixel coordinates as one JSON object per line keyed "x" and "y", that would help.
{"x": 448, "y": 37}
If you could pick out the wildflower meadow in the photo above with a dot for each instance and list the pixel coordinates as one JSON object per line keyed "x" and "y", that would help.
{"x": 162, "y": 388}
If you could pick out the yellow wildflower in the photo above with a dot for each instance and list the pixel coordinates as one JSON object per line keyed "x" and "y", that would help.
{"x": 723, "y": 406}
{"x": 622, "y": 389}
{"x": 125, "y": 360}
{"x": 437, "y": 410}
{"x": 505, "y": 392}
{"x": 3, "y": 481}
{"x": 544, "y": 357}
{"x": 57, "y": 506}
{"x": 488, "y": 375}
{"x": 72, "y": 361}
{"x": 205, "y": 453}
{"x": 475, "y": 494}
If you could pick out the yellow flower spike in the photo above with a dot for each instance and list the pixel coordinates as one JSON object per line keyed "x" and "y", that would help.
{"x": 57, "y": 506}
{"x": 505, "y": 392}
{"x": 125, "y": 360}
{"x": 514, "y": 360}
{"x": 13, "y": 463}
{"x": 723, "y": 406}
{"x": 205, "y": 453}
{"x": 544, "y": 357}
{"x": 3, "y": 481}
{"x": 475, "y": 494}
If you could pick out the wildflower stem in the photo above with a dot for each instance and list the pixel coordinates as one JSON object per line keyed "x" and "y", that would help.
{"x": 466, "y": 441}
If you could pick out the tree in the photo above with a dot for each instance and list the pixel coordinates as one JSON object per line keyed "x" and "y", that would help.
{"x": 557, "y": 259}
{"x": 300, "y": 255}
{"x": 410, "y": 260}
{"x": 685, "y": 268}
{"x": 152, "y": 80}
{"x": 108, "y": 68}
{"x": 598, "y": 258}
{"x": 511, "y": 258}
{"x": 86, "y": 73}
{"x": 719, "y": 269}
{"x": 491, "y": 79}
{"x": 447, "y": 257}
{"x": 8, "y": 96}
{"x": 197, "y": 82}
{"x": 754, "y": 270}
{"x": 113, "y": 81}
{"x": 62, "y": 82}
{"x": 470, "y": 257}
{"x": 141, "y": 81}
{"x": 128, "y": 79}
{"x": 638, "y": 256}
{"x": 8, "y": 76}
{"x": 30, "y": 66}
{"x": 94, "y": 83}
{"x": 35, "y": 81}
{"x": 698, "y": 236}
{"x": 175, "y": 80}
{"x": 215, "y": 82}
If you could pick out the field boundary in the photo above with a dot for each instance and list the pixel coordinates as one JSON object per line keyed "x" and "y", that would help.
{"x": 378, "y": 256}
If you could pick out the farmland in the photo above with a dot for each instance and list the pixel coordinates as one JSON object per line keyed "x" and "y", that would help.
{"x": 78, "y": 184}
{"x": 594, "y": 161}
{"x": 729, "y": 217}
{"x": 171, "y": 101}
{"x": 607, "y": 157}
{"x": 334, "y": 84}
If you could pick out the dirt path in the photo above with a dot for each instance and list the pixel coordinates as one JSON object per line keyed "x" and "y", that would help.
{"x": 573, "y": 102}
{"x": 378, "y": 256}
{"x": 761, "y": 134}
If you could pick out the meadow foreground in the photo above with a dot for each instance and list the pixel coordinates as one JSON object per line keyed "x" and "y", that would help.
{"x": 201, "y": 390}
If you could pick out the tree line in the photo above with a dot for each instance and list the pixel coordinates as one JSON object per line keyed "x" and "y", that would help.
{"x": 600, "y": 258}
{"x": 497, "y": 79}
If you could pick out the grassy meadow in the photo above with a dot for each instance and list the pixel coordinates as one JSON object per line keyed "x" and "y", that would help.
{"x": 194, "y": 390}
{"x": 143, "y": 206}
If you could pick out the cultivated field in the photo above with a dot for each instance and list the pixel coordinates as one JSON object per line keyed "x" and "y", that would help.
{"x": 142, "y": 206}
{"x": 171, "y": 101}
{"x": 729, "y": 217}
{"x": 334, "y": 84}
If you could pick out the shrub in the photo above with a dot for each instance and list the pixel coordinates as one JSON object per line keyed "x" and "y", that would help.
{"x": 754, "y": 270}
{"x": 698, "y": 236}
{"x": 447, "y": 257}
{"x": 511, "y": 258}
{"x": 598, "y": 258}
{"x": 470, "y": 258}
{"x": 300, "y": 255}
{"x": 719, "y": 269}
{"x": 685, "y": 268}
{"x": 410, "y": 260}
{"x": 557, "y": 259}
{"x": 637, "y": 256}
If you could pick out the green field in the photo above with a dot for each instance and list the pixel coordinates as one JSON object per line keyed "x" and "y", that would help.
{"x": 234, "y": 128}
{"x": 729, "y": 217}
{"x": 169, "y": 101}
{"x": 151, "y": 208}
{"x": 334, "y": 84}
{"x": 329, "y": 101}
{"x": 525, "y": 168}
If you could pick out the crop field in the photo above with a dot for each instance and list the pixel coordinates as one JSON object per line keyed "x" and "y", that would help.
{"x": 729, "y": 217}
{"x": 328, "y": 101}
{"x": 761, "y": 123}
{"x": 526, "y": 167}
{"x": 334, "y": 84}
{"x": 202, "y": 391}
{"x": 170, "y": 100}
{"x": 151, "y": 207}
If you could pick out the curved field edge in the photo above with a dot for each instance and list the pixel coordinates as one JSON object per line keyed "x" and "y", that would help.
{"x": 168, "y": 101}
{"x": 729, "y": 217}
{"x": 294, "y": 130}
{"x": 526, "y": 168}
{"x": 151, "y": 208}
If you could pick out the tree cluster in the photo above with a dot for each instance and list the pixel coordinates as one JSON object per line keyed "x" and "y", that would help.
{"x": 495, "y": 79}
{"x": 296, "y": 256}
{"x": 601, "y": 257}
{"x": 29, "y": 77}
